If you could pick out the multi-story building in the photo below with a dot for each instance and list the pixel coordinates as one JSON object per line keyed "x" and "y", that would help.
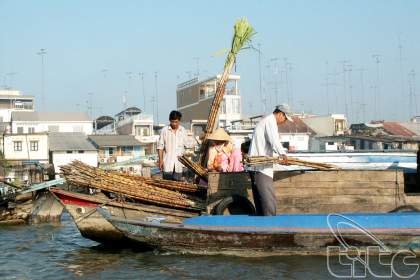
{"x": 13, "y": 101}
{"x": 330, "y": 125}
{"x": 118, "y": 148}
{"x": 194, "y": 99}
{"x": 64, "y": 147}
{"x": 132, "y": 121}
{"x": 34, "y": 122}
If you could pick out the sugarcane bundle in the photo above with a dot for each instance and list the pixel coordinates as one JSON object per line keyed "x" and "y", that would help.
{"x": 166, "y": 184}
{"x": 82, "y": 175}
{"x": 243, "y": 33}
{"x": 261, "y": 160}
{"x": 195, "y": 167}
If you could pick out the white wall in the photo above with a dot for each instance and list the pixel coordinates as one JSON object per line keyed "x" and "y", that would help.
{"x": 85, "y": 126}
{"x": 60, "y": 158}
{"x": 300, "y": 142}
{"x": 26, "y": 153}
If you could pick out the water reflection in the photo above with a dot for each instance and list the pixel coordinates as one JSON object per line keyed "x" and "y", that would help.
{"x": 59, "y": 252}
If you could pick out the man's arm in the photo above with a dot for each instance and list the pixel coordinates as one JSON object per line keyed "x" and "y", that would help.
{"x": 160, "y": 147}
{"x": 272, "y": 131}
{"x": 160, "y": 163}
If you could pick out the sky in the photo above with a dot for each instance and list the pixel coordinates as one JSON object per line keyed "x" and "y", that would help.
{"x": 356, "y": 57}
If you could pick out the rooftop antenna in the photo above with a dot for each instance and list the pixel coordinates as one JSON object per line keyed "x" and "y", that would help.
{"x": 152, "y": 100}
{"x": 276, "y": 73}
{"x": 156, "y": 96}
{"x": 327, "y": 84}
{"x": 377, "y": 93}
{"x": 400, "y": 49}
{"x": 10, "y": 75}
{"x": 141, "y": 76}
{"x": 42, "y": 53}
{"x": 124, "y": 100}
{"x": 289, "y": 68}
{"x": 197, "y": 63}
{"x": 344, "y": 63}
{"x": 90, "y": 105}
{"x": 349, "y": 70}
{"x": 286, "y": 80}
{"x": 104, "y": 72}
{"x": 412, "y": 93}
{"x": 260, "y": 77}
{"x": 362, "y": 93}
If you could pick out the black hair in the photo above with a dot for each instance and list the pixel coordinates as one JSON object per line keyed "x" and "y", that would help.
{"x": 245, "y": 146}
{"x": 175, "y": 115}
{"x": 277, "y": 110}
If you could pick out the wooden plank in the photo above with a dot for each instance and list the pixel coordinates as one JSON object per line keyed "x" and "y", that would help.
{"x": 335, "y": 208}
{"x": 44, "y": 185}
{"x": 337, "y": 199}
{"x": 278, "y": 186}
{"x": 298, "y": 192}
{"x": 341, "y": 175}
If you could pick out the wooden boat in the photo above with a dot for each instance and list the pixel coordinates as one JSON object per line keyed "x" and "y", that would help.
{"x": 29, "y": 205}
{"x": 92, "y": 225}
{"x": 300, "y": 234}
{"x": 332, "y": 191}
{"x": 405, "y": 161}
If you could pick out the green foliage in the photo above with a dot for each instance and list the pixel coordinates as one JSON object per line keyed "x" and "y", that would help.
{"x": 242, "y": 36}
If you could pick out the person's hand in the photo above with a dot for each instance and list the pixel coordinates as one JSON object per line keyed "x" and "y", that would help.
{"x": 161, "y": 165}
{"x": 284, "y": 160}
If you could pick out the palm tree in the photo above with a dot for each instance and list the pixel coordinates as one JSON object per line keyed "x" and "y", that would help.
{"x": 243, "y": 32}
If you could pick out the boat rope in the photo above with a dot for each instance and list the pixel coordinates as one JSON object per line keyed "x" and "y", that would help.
{"x": 92, "y": 211}
{"x": 399, "y": 197}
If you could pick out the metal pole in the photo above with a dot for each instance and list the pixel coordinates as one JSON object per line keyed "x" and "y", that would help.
{"x": 157, "y": 99}
{"x": 260, "y": 76}
{"x": 143, "y": 92}
{"x": 42, "y": 53}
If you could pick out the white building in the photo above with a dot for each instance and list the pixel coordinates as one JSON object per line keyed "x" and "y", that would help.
{"x": 13, "y": 101}
{"x": 26, "y": 147}
{"x": 117, "y": 148}
{"x": 330, "y": 125}
{"x": 132, "y": 121}
{"x": 68, "y": 146}
{"x": 35, "y": 122}
{"x": 194, "y": 99}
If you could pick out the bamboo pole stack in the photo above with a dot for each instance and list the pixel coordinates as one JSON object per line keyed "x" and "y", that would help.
{"x": 261, "y": 160}
{"x": 159, "y": 192}
{"x": 195, "y": 167}
{"x": 243, "y": 33}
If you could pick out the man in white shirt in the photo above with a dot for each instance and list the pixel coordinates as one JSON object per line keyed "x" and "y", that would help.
{"x": 171, "y": 145}
{"x": 266, "y": 142}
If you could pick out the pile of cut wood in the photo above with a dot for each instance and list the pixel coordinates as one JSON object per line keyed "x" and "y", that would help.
{"x": 166, "y": 193}
{"x": 261, "y": 160}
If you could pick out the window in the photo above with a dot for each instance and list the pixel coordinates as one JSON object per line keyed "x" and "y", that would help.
{"x": 142, "y": 130}
{"x": 77, "y": 128}
{"x": 17, "y": 146}
{"x": 111, "y": 151}
{"x": 127, "y": 150}
{"x": 53, "y": 128}
{"x": 20, "y": 129}
{"x": 81, "y": 152}
{"x": 31, "y": 129}
{"x": 69, "y": 152}
{"x": 34, "y": 145}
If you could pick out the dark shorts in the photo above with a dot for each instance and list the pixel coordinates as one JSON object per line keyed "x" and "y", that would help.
{"x": 263, "y": 193}
{"x": 174, "y": 176}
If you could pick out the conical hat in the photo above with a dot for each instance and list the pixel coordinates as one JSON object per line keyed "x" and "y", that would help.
{"x": 219, "y": 135}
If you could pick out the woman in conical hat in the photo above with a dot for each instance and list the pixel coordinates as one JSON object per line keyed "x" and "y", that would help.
{"x": 219, "y": 151}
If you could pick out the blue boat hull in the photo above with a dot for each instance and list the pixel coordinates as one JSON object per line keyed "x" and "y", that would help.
{"x": 279, "y": 235}
{"x": 406, "y": 161}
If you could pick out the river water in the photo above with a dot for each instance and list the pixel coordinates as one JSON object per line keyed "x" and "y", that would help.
{"x": 59, "y": 252}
